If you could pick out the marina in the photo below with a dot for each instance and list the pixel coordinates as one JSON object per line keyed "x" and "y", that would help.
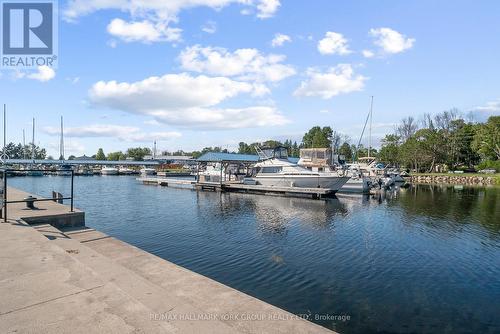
{"x": 250, "y": 167}
{"x": 280, "y": 249}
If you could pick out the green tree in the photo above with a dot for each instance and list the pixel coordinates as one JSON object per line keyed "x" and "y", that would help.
{"x": 487, "y": 139}
{"x": 116, "y": 156}
{"x": 100, "y": 155}
{"x": 71, "y": 157}
{"x": 318, "y": 137}
{"x": 138, "y": 153}
{"x": 389, "y": 152}
{"x": 346, "y": 151}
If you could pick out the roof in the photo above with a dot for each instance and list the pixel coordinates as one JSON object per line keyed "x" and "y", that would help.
{"x": 229, "y": 157}
{"x": 168, "y": 157}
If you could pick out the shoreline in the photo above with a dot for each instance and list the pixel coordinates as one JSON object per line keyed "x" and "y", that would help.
{"x": 456, "y": 179}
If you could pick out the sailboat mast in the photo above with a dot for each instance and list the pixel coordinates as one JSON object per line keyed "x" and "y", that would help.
{"x": 33, "y": 142}
{"x": 4, "y": 131}
{"x": 24, "y": 145}
{"x": 370, "y": 130}
{"x": 61, "y": 143}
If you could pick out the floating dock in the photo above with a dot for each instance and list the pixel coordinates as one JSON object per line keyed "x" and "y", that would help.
{"x": 234, "y": 186}
{"x": 74, "y": 279}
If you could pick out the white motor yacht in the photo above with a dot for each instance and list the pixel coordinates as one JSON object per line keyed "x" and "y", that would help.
{"x": 148, "y": 171}
{"x": 278, "y": 171}
{"x": 125, "y": 171}
{"x": 109, "y": 171}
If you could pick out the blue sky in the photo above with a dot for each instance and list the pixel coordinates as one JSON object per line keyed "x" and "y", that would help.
{"x": 196, "y": 73}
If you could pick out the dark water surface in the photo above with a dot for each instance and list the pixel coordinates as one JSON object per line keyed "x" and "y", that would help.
{"x": 423, "y": 260}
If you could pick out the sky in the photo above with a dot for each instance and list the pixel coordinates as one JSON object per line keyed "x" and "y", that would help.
{"x": 197, "y": 73}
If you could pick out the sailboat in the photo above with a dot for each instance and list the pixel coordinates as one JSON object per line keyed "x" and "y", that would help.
{"x": 64, "y": 169}
{"x": 34, "y": 170}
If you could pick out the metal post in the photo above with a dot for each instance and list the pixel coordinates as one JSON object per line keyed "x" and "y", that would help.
{"x": 72, "y": 182}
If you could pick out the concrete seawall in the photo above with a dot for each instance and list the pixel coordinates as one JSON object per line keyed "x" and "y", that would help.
{"x": 454, "y": 179}
{"x": 73, "y": 279}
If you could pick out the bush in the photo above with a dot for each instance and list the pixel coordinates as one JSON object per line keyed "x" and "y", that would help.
{"x": 490, "y": 164}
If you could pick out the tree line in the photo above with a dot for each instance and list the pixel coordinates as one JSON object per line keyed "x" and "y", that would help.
{"x": 445, "y": 141}
{"x": 434, "y": 143}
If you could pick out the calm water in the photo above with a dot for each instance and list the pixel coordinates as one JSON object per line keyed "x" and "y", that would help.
{"x": 426, "y": 259}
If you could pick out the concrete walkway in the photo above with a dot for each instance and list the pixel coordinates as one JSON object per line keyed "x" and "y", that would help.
{"x": 82, "y": 281}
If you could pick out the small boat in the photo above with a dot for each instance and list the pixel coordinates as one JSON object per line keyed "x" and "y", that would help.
{"x": 84, "y": 171}
{"x": 64, "y": 170}
{"x": 35, "y": 172}
{"x": 148, "y": 171}
{"x": 125, "y": 171}
{"x": 109, "y": 171}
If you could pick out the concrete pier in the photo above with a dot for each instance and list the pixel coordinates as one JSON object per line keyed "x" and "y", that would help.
{"x": 78, "y": 280}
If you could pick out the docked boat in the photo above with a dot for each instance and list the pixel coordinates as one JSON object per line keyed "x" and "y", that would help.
{"x": 125, "y": 171}
{"x": 323, "y": 160}
{"x": 278, "y": 171}
{"x": 84, "y": 171}
{"x": 34, "y": 171}
{"x": 109, "y": 171}
{"x": 148, "y": 171}
{"x": 64, "y": 170}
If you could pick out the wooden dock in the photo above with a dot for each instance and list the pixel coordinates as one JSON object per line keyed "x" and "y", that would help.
{"x": 315, "y": 193}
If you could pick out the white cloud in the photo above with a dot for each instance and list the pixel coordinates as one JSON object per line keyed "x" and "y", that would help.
{"x": 184, "y": 100}
{"x": 143, "y": 31}
{"x": 267, "y": 8}
{"x": 280, "y": 39}
{"x": 171, "y": 91}
{"x": 71, "y": 147}
{"x": 333, "y": 43}
{"x": 43, "y": 74}
{"x": 223, "y": 118}
{"x": 125, "y": 133}
{"x": 390, "y": 41}
{"x": 153, "y": 122}
{"x": 489, "y": 107}
{"x": 152, "y": 19}
{"x": 368, "y": 53}
{"x": 245, "y": 64}
{"x": 210, "y": 27}
{"x": 324, "y": 111}
{"x": 336, "y": 80}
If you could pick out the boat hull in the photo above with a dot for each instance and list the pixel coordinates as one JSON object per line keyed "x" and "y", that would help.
{"x": 34, "y": 173}
{"x": 109, "y": 172}
{"x": 333, "y": 183}
{"x": 356, "y": 185}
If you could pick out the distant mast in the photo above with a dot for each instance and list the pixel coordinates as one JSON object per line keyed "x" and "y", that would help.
{"x": 33, "y": 142}
{"x": 154, "y": 150}
{"x": 61, "y": 143}
{"x": 4, "y": 155}
{"x": 370, "y": 130}
{"x": 24, "y": 145}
